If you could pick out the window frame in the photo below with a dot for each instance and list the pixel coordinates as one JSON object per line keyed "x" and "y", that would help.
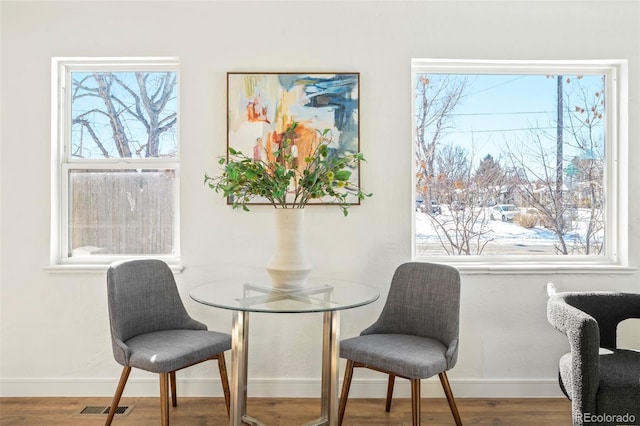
{"x": 616, "y": 178}
{"x": 61, "y": 70}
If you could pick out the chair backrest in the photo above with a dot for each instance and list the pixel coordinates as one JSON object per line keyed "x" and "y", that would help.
{"x": 423, "y": 300}
{"x": 143, "y": 298}
{"x": 608, "y": 308}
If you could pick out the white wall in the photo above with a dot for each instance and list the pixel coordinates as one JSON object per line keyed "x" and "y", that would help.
{"x": 54, "y": 327}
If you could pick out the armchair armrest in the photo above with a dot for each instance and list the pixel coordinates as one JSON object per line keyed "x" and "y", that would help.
{"x": 583, "y": 334}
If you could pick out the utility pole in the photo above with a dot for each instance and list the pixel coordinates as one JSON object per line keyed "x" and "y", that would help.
{"x": 559, "y": 180}
{"x": 559, "y": 154}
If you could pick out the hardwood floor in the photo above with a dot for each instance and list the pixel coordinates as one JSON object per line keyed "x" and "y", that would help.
{"x": 287, "y": 412}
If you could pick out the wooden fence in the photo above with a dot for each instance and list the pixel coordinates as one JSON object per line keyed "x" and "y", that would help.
{"x": 122, "y": 212}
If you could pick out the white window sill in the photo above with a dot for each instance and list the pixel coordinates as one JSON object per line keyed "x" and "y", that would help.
{"x": 94, "y": 268}
{"x": 491, "y": 268}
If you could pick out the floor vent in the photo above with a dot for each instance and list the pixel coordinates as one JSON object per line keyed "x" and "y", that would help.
{"x": 123, "y": 410}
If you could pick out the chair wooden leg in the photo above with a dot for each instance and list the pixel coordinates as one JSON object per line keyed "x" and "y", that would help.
{"x": 164, "y": 398}
{"x": 452, "y": 402}
{"x": 174, "y": 395}
{"x": 116, "y": 398}
{"x": 346, "y": 385}
{"x": 415, "y": 402}
{"x": 222, "y": 366}
{"x": 392, "y": 380}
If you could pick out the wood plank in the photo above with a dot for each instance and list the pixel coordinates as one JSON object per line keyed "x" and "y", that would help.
{"x": 288, "y": 411}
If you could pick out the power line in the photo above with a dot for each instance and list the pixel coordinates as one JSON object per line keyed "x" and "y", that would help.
{"x": 497, "y": 85}
{"x": 492, "y": 130}
{"x": 503, "y": 113}
{"x": 449, "y": 132}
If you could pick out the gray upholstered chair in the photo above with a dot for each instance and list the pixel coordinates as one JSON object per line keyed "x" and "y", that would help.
{"x": 596, "y": 376}
{"x": 416, "y": 335}
{"x": 151, "y": 329}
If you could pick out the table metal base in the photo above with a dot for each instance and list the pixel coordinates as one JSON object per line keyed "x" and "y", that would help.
{"x": 330, "y": 364}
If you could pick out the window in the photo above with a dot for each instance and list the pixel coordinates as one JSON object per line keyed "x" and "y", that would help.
{"x": 116, "y": 163}
{"x": 518, "y": 161}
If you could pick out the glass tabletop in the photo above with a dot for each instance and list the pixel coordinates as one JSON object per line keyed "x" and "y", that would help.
{"x": 317, "y": 295}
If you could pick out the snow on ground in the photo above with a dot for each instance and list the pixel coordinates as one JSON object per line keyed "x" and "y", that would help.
{"x": 507, "y": 233}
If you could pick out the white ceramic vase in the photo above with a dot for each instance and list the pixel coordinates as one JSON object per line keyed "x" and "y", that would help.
{"x": 290, "y": 265}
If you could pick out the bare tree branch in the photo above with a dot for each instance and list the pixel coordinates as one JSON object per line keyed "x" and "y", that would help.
{"x": 87, "y": 125}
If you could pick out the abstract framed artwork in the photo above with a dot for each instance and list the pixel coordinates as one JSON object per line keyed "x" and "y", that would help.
{"x": 261, "y": 107}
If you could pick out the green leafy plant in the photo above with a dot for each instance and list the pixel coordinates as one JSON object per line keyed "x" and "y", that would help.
{"x": 282, "y": 182}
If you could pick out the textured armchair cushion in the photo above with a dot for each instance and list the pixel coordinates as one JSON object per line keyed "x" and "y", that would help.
{"x": 413, "y": 357}
{"x": 619, "y": 377}
{"x": 619, "y": 387}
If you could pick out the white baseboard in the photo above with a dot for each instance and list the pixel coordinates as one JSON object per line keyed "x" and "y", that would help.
{"x": 299, "y": 388}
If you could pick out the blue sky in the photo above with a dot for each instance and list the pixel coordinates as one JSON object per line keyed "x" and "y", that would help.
{"x": 497, "y": 109}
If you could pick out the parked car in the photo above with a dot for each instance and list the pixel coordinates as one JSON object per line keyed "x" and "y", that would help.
{"x": 433, "y": 207}
{"x": 458, "y": 205}
{"x": 504, "y": 212}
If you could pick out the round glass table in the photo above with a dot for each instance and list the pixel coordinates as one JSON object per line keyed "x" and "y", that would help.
{"x": 329, "y": 296}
